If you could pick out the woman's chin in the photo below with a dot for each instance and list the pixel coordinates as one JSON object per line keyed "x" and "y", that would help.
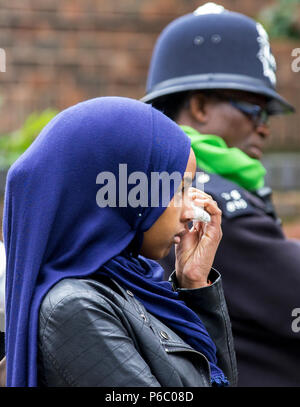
{"x": 164, "y": 252}
{"x": 159, "y": 254}
{"x": 156, "y": 253}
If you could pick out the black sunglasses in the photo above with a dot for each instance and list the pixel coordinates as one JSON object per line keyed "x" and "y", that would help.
{"x": 256, "y": 113}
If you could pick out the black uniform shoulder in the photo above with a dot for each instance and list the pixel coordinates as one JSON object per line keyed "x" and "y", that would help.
{"x": 232, "y": 199}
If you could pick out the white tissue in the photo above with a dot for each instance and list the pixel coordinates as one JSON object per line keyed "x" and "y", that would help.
{"x": 200, "y": 214}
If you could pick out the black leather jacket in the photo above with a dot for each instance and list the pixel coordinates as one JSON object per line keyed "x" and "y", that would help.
{"x": 95, "y": 333}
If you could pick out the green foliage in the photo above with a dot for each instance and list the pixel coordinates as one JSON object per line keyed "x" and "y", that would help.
{"x": 281, "y": 20}
{"x": 14, "y": 144}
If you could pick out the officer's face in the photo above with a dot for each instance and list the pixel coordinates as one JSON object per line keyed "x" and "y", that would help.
{"x": 173, "y": 222}
{"x": 222, "y": 118}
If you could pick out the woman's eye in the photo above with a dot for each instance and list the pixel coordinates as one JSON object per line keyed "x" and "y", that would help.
{"x": 185, "y": 189}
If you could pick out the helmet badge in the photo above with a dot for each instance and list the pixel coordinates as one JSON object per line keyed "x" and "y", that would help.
{"x": 209, "y": 8}
{"x": 265, "y": 55}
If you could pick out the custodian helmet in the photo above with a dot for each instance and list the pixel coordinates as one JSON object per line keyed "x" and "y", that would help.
{"x": 213, "y": 48}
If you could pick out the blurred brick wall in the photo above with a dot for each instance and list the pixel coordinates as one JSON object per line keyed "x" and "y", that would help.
{"x": 60, "y": 52}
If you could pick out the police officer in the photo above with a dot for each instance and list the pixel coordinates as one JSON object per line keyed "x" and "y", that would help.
{"x": 213, "y": 72}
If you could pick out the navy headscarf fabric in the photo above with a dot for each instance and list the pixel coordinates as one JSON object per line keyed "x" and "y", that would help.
{"x": 54, "y": 229}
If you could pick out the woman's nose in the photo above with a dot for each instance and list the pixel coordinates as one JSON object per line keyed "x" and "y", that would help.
{"x": 187, "y": 213}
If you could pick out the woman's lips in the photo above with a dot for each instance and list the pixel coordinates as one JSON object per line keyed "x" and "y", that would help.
{"x": 177, "y": 239}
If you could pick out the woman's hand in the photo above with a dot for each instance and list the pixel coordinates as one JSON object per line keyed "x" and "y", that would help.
{"x": 197, "y": 248}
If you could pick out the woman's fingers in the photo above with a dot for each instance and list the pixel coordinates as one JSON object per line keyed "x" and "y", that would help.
{"x": 194, "y": 192}
{"x": 204, "y": 200}
{"x": 197, "y": 249}
{"x": 213, "y": 228}
{"x": 209, "y": 205}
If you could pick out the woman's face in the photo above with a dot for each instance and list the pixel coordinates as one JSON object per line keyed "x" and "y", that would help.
{"x": 173, "y": 222}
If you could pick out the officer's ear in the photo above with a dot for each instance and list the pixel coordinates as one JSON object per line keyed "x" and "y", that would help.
{"x": 198, "y": 108}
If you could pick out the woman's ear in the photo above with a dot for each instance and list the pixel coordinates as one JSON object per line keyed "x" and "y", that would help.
{"x": 198, "y": 108}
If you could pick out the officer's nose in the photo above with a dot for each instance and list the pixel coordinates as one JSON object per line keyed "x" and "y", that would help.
{"x": 263, "y": 130}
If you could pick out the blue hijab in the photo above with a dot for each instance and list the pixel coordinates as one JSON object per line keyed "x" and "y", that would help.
{"x": 54, "y": 229}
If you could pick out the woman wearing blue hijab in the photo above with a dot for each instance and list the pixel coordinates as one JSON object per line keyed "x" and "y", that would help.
{"x": 85, "y": 300}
